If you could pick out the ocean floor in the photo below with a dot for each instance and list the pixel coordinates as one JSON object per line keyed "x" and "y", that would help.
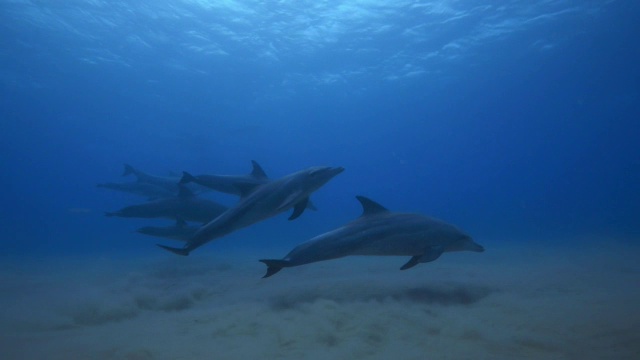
{"x": 518, "y": 302}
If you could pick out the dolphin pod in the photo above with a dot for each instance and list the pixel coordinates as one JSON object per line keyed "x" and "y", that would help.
{"x": 377, "y": 232}
{"x": 152, "y": 187}
{"x": 262, "y": 202}
{"x": 260, "y": 198}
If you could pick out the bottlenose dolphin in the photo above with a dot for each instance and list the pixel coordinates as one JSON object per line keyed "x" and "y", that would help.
{"x": 181, "y": 231}
{"x": 233, "y": 184}
{"x": 230, "y": 184}
{"x": 150, "y": 191}
{"x": 185, "y": 206}
{"x": 263, "y": 202}
{"x": 379, "y": 231}
{"x": 169, "y": 183}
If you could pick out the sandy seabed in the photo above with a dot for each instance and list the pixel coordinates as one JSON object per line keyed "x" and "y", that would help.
{"x": 518, "y": 302}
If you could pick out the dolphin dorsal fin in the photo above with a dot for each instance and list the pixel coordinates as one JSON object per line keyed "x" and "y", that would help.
{"x": 128, "y": 169}
{"x": 370, "y": 207}
{"x": 184, "y": 192}
{"x": 181, "y": 223}
{"x": 257, "y": 171}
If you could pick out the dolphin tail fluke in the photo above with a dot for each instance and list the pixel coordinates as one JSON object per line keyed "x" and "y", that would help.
{"x": 273, "y": 266}
{"x": 187, "y": 178}
{"x": 128, "y": 169}
{"x": 177, "y": 251}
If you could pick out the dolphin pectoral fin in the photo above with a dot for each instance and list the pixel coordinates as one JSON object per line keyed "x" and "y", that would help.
{"x": 289, "y": 201}
{"x": 273, "y": 266}
{"x": 411, "y": 263}
{"x": 177, "y": 251}
{"x": 299, "y": 209}
{"x": 311, "y": 205}
{"x": 431, "y": 254}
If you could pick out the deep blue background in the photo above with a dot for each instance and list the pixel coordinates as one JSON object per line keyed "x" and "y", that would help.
{"x": 529, "y": 135}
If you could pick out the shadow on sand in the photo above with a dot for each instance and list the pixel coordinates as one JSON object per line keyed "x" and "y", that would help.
{"x": 450, "y": 295}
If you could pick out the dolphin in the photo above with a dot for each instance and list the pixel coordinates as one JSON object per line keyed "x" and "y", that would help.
{"x": 263, "y": 202}
{"x": 229, "y": 183}
{"x": 233, "y": 184}
{"x": 379, "y": 231}
{"x": 150, "y": 191}
{"x": 169, "y": 183}
{"x": 185, "y": 206}
{"x": 180, "y": 231}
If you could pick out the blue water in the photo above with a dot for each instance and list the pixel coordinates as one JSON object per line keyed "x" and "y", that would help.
{"x": 515, "y": 120}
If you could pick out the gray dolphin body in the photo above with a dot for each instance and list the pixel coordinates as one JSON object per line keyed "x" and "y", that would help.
{"x": 230, "y": 184}
{"x": 185, "y": 206}
{"x": 169, "y": 183}
{"x": 233, "y": 184}
{"x": 380, "y": 232}
{"x": 180, "y": 231}
{"x": 150, "y": 191}
{"x": 263, "y": 202}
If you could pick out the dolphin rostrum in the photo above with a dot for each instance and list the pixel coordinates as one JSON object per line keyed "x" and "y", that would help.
{"x": 262, "y": 202}
{"x": 379, "y": 231}
{"x": 185, "y": 206}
